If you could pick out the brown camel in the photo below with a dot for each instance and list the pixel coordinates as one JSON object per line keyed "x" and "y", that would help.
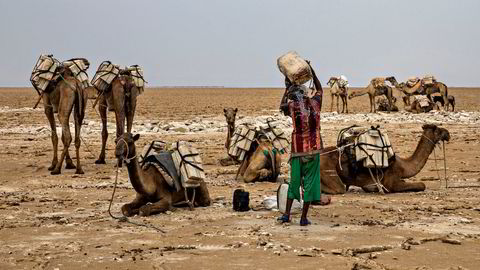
{"x": 338, "y": 92}
{"x": 64, "y": 96}
{"x": 451, "y": 101}
{"x": 120, "y": 97}
{"x": 420, "y": 89}
{"x": 262, "y": 162}
{"x": 256, "y": 166}
{"x": 336, "y": 180}
{"x": 230, "y": 115}
{"x": 383, "y": 106}
{"x": 153, "y": 194}
{"x": 376, "y": 87}
{"x": 415, "y": 106}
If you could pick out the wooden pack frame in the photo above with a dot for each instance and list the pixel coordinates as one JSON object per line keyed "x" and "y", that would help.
{"x": 44, "y": 71}
{"x": 188, "y": 164}
{"x": 241, "y": 142}
{"x": 79, "y": 67}
{"x": 104, "y": 76}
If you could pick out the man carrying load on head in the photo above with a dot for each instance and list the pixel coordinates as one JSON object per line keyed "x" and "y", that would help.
{"x": 306, "y": 145}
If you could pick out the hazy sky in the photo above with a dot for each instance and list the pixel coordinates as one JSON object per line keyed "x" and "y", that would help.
{"x": 236, "y": 43}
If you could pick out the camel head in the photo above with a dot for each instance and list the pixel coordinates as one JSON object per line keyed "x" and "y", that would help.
{"x": 125, "y": 148}
{"x": 436, "y": 134}
{"x": 332, "y": 81}
{"x": 126, "y": 81}
{"x": 355, "y": 93}
{"x": 230, "y": 115}
{"x": 391, "y": 79}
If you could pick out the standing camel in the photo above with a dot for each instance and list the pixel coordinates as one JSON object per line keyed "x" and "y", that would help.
{"x": 339, "y": 92}
{"x": 120, "y": 97}
{"x": 336, "y": 179}
{"x": 420, "y": 89}
{"x": 63, "y": 97}
{"x": 376, "y": 87}
{"x": 153, "y": 193}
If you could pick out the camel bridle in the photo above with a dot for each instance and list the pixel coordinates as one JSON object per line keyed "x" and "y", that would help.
{"x": 126, "y": 159}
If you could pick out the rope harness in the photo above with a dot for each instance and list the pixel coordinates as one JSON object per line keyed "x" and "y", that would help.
{"x": 444, "y": 161}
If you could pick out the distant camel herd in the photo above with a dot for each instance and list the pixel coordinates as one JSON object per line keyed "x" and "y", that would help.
{"x": 378, "y": 87}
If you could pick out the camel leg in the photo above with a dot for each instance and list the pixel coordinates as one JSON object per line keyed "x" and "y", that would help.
{"x": 228, "y": 161}
{"x": 331, "y": 103}
{"x": 446, "y": 102}
{"x": 402, "y": 186}
{"x": 53, "y": 127}
{"x": 372, "y": 104}
{"x": 66, "y": 106}
{"x": 202, "y": 197}
{"x": 338, "y": 109}
{"x": 131, "y": 110}
{"x": 132, "y": 208}
{"x": 78, "y": 117}
{"x": 158, "y": 207}
{"x": 390, "y": 102}
{"x": 393, "y": 183}
{"x": 256, "y": 169}
{"x": 345, "y": 100}
{"x": 103, "y": 114}
{"x": 120, "y": 121}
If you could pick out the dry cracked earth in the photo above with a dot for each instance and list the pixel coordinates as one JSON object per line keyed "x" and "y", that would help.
{"x": 61, "y": 222}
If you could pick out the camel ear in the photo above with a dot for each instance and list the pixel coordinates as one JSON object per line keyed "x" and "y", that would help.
{"x": 136, "y": 137}
{"x": 224, "y": 110}
{"x": 236, "y": 110}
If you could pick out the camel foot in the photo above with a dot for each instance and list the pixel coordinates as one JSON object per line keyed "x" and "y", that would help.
{"x": 127, "y": 210}
{"x": 100, "y": 161}
{"x": 55, "y": 171}
{"x": 263, "y": 174}
{"x": 144, "y": 211}
{"x": 79, "y": 171}
{"x": 52, "y": 166}
{"x": 69, "y": 165}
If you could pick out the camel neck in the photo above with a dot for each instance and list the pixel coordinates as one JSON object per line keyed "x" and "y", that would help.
{"x": 420, "y": 156}
{"x": 230, "y": 130}
{"x": 361, "y": 92}
{"x": 136, "y": 176}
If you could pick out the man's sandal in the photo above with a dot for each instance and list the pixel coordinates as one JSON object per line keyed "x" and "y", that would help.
{"x": 305, "y": 222}
{"x": 284, "y": 219}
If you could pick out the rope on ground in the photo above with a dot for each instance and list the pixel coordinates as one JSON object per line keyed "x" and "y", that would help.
{"x": 124, "y": 218}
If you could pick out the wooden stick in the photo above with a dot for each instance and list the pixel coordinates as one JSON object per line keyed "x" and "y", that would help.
{"x": 38, "y": 101}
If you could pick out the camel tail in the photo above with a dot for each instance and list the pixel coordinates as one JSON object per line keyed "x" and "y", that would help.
{"x": 79, "y": 101}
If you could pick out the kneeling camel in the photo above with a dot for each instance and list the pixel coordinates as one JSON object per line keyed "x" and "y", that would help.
{"x": 336, "y": 179}
{"x": 153, "y": 194}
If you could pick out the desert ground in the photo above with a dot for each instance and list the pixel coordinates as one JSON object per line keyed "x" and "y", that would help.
{"x": 61, "y": 222}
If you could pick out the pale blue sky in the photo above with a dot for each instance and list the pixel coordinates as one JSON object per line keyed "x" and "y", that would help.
{"x": 236, "y": 43}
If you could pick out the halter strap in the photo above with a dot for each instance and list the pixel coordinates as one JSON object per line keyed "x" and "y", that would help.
{"x": 126, "y": 158}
